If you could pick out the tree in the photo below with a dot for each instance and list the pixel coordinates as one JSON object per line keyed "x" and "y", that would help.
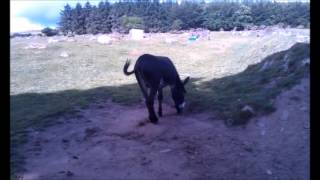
{"x": 86, "y": 11}
{"x": 78, "y": 20}
{"x": 242, "y": 17}
{"x": 66, "y": 19}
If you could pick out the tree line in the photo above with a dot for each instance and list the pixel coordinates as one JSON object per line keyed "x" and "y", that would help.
{"x": 153, "y": 16}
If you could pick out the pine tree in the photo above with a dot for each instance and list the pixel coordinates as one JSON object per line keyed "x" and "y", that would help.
{"x": 66, "y": 19}
{"x": 78, "y": 20}
{"x": 86, "y": 13}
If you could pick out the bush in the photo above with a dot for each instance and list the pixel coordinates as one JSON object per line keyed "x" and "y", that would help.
{"x": 131, "y": 22}
{"x": 50, "y": 32}
{"x": 176, "y": 25}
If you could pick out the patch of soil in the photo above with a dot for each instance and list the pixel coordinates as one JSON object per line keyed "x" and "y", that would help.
{"x": 109, "y": 141}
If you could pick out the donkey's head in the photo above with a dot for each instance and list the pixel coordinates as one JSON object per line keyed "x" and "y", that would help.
{"x": 178, "y": 92}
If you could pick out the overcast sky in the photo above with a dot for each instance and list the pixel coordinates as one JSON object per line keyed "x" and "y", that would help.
{"x": 28, "y": 15}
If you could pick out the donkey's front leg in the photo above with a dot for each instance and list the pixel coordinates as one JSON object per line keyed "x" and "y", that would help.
{"x": 150, "y": 101}
{"x": 160, "y": 97}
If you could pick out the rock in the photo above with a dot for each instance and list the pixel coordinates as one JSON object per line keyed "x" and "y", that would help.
{"x": 136, "y": 34}
{"x": 69, "y": 173}
{"x": 104, "y": 39}
{"x": 284, "y": 115}
{"x": 91, "y": 38}
{"x": 269, "y": 172}
{"x": 64, "y": 54}
{"x": 165, "y": 150}
{"x": 70, "y": 40}
{"x": 52, "y": 40}
{"x": 35, "y": 46}
{"x": 246, "y": 112}
{"x": 170, "y": 40}
{"x": 300, "y": 27}
{"x": 306, "y": 61}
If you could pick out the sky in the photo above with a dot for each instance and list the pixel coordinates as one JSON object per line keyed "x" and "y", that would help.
{"x": 26, "y": 15}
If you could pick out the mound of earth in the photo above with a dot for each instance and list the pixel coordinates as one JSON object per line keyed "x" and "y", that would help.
{"x": 110, "y": 141}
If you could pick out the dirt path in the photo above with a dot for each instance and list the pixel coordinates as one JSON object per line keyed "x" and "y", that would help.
{"x": 112, "y": 142}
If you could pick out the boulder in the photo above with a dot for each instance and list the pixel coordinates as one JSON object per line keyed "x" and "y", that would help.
{"x": 104, "y": 39}
{"x": 64, "y": 54}
{"x": 136, "y": 34}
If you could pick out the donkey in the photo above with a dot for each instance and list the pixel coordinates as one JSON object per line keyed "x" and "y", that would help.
{"x": 153, "y": 73}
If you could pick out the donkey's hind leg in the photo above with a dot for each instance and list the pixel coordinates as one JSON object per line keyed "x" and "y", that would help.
{"x": 150, "y": 102}
{"x": 160, "y": 97}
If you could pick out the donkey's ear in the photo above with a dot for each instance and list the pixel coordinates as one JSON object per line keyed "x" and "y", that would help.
{"x": 186, "y": 80}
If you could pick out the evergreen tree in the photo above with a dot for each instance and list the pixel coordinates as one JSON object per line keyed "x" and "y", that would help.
{"x": 86, "y": 13}
{"x": 66, "y": 19}
{"x": 78, "y": 20}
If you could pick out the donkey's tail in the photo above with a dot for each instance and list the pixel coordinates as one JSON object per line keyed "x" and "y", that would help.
{"x": 125, "y": 68}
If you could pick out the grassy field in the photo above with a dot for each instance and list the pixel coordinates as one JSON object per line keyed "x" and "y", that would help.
{"x": 43, "y": 84}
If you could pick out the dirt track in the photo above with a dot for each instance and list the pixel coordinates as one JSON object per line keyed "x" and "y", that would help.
{"x": 110, "y": 142}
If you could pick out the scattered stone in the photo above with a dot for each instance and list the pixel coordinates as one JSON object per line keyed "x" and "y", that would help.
{"x": 69, "y": 173}
{"x": 136, "y": 34}
{"x": 303, "y": 108}
{"x": 269, "y": 172}
{"x": 64, "y": 54}
{"x": 35, "y": 46}
{"x": 284, "y": 115}
{"x": 165, "y": 150}
{"x": 104, "y": 39}
{"x": 246, "y": 112}
{"x": 306, "y": 61}
{"x": 71, "y": 40}
{"x": 91, "y": 38}
{"x": 75, "y": 157}
{"x": 89, "y": 132}
{"x": 52, "y": 40}
{"x": 170, "y": 40}
{"x": 300, "y": 27}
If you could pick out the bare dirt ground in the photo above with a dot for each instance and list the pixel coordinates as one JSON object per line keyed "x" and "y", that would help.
{"x": 112, "y": 142}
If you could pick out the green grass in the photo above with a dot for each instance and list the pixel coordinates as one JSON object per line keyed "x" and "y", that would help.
{"x": 254, "y": 87}
{"x": 44, "y": 85}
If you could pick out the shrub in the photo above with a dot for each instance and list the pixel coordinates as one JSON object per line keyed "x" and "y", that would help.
{"x": 49, "y": 32}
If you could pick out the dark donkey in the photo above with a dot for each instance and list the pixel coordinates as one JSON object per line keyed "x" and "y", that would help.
{"x": 153, "y": 73}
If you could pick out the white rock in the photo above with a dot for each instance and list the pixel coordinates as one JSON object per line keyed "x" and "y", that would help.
{"x": 165, "y": 150}
{"x": 64, "y": 54}
{"x": 269, "y": 172}
{"x": 136, "y": 34}
{"x": 104, "y": 39}
{"x": 248, "y": 108}
{"x": 35, "y": 46}
{"x": 52, "y": 40}
{"x": 170, "y": 40}
{"x": 306, "y": 61}
{"x": 284, "y": 115}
